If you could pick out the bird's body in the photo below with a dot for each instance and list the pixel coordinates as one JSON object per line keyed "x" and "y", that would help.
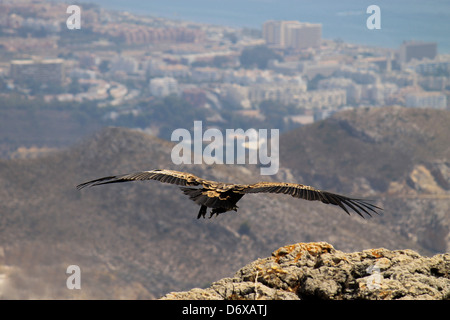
{"x": 222, "y": 197}
{"x": 218, "y": 201}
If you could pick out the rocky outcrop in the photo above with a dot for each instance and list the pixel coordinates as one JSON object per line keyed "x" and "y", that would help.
{"x": 318, "y": 271}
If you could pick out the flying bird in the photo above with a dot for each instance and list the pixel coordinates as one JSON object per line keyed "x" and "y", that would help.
{"x": 222, "y": 197}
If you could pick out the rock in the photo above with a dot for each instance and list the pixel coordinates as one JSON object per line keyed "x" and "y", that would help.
{"x": 422, "y": 180}
{"x": 318, "y": 271}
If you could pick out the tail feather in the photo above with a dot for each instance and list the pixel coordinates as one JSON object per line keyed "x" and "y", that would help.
{"x": 193, "y": 193}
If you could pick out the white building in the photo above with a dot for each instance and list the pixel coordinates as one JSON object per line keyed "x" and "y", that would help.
{"x": 379, "y": 93}
{"x": 304, "y": 35}
{"x": 206, "y": 74}
{"x": 311, "y": 69}
{"x": 125, "y": 64}
{"x": 360, "y": 76}
{"x": 250, "y": 77}
{"x": 426, "y": 99}
{"x": 236, "y": 95}
{"x": 256, "y": 86}
{"x": 161, "y": 69}
{"x": 417, "y": 50}
{"x": 161, "y": 87}
{"x": 284, "y": 93}
{"x": 44, "y": 71}
{"x": 292, "y": 34}
{"x": 352, "y": 89}
{"x": 322, "y": 99}
{"x": 82, "y": 73}
{"x": 439, "y": 65}
{"x": 38, "y": 24}
{"x": 400, "y": 78}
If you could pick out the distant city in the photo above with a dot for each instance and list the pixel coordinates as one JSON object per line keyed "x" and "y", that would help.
{"x": 120, "y": 59}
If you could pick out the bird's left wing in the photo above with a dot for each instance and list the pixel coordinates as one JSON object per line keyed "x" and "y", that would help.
{"x": 309, "y": 193}
{"x": 167, "y": 176}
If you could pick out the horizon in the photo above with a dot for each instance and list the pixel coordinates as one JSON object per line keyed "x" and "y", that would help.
{"x": 345, "y": 20}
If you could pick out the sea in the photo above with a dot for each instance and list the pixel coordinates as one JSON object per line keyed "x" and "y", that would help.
{"x": 400, "y": 20}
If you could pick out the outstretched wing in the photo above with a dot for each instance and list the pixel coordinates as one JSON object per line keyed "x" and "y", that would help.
{"x": 167, "y": 176}
{"x": 309, "y": 193}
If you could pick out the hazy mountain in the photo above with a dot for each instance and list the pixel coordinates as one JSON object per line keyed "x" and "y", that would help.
{"x": 142, "y": 240}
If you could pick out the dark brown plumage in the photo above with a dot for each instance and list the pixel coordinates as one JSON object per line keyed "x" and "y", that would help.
{"x": 222, "y": 197}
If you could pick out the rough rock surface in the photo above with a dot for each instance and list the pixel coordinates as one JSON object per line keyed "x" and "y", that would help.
{"x": 318, "y": 271}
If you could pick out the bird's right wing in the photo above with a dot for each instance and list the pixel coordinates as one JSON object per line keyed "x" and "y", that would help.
{"x": 166, "y": 176}
{"x": 309, "y": 193}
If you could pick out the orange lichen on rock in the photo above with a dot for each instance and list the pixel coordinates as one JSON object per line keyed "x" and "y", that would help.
{"x": 313, "y": 248}
{"x": 377, "y": 253}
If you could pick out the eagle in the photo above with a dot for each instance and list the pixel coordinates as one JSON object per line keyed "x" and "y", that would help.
{"x": 222, "y": 197}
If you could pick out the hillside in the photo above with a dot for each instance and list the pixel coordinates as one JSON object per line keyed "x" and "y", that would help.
{"x": 142, "y": 240}
{"x": 41, "y": 124}
{"x": 382, "y": 145}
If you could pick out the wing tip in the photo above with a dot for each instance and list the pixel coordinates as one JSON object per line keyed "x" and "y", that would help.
{"x": 80, "y": 186}
{"x": 361, "y": 207}
{"x": 97, "y": 182}
{"x": 368, "y": 208}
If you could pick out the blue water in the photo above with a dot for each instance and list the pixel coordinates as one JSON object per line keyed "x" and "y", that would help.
{"x": 344, "y": 19}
